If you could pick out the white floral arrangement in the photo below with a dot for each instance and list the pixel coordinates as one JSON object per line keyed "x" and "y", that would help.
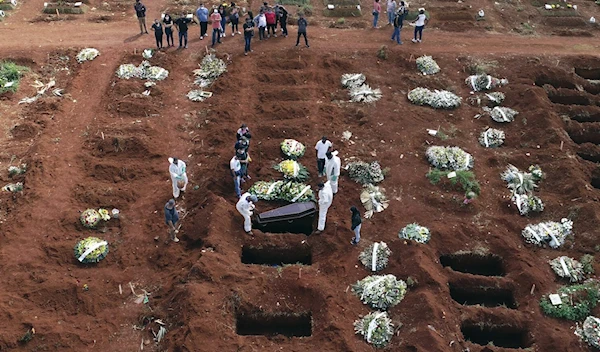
{"x": 427, "y": 65}
{"x": 13, "y": 187}
{"x": 87, "y": 54}
{"x": 492, "y": 138}
{"x": 501, "y": 113}
{"x": 449, "y": 158}
{"x": 350, "y": 80}
{"x": 198, "y": 95}
{"x": 373, "y": 199}
{"x": 210, "y": 69}
{"x": 266, "y": 190}
{"x": 365, "y": 173}
{"x": 567, "y": 267}
{"x": 376, "y": 328}
{"x": 415, "y": 232}
{"x": 380, "y": 291}
{"x": 143, "y": 71}
{"x": 484, "y": 82}
{"x": 282, "y": 190}
{"x": 520, "y": 182}
{"x": 292, "y": 148}
{"x": 292, "y": 170}
{"x": 437, "y": 99}
{"x": 590, "y": 331}
{"x": 551, "y": 232}
{"x": 490, "y": 99}
{"x": 17, "y": 170}
{"x": 364, "y": 94}
{"x": 148, "y": 53}
{"x": 375, "y": 257}
{"x": 90, "y": 218}
{"x": 527, "y": 203}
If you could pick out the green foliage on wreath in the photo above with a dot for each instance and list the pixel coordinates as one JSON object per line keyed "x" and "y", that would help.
{"x": 577, "y": 304}
{"x": 376, "y": 328}
{"x": 96, "y": 255}
{"x": 380, "y": 291}
{"x": 90, "y": 218}
{"x": 466, "y": 179}
{"x": 587, "y": 261}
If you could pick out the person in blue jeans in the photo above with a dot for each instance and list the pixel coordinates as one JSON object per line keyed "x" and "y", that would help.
{"x": 376, "y": 12}
{"x": 398, "y": 19}
{"x": 356, "y": 225}
{"x": 420, "y": 23}
{"x": 182, "y": 26}
{"x": 172, "y": 220}
{"x": 248, "y": 34}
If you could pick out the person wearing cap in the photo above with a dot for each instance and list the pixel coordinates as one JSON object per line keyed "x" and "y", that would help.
{"x": 215, "y": 18}
{"x": 172, "y": 219}
{"x": 420, "y": 23}
{"x": 302, "y": 24}
{"x": 235, "y": 167}
{"x": 246, "y": 206}
{"x": 332, "y": 169}
{"x": 325, "y": 200}
{"x": 248, "y": 34}
{"x": 177, "y": 171}
{"x": 322, "y": 147}
{"x": 356, "y": 225}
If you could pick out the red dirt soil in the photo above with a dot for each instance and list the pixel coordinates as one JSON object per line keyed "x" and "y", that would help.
{"x": 105, "y": 145}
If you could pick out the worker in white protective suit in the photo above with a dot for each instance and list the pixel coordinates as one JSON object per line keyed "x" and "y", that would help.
{"x": 246, "y": 206}
{"x": 332, "y": 169}
{"x": 325, "y": 200}
{"x": 177, "y": 171}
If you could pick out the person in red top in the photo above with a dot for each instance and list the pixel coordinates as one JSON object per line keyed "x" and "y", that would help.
{"x": 376, "y": 12}
{"x": 216, "y": 26}
{"x": 271, "y": 22}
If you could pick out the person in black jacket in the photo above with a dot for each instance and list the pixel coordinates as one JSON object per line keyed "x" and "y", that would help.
{"x": 168, "y": 26}
{"x": 356, "y": 225}
{"x": 140, "y": 13}
{"x": 283, "y": 16}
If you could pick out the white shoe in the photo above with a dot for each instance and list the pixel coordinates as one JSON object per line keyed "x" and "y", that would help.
{"x": 418, "y": 40}
{"x": 232, "y": 34}
{"x": 239, "y": 32}
{"x": 414, "y": 40}
{"x": 176, "y": 240}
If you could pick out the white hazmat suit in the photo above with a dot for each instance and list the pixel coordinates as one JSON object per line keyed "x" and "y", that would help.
{"x": 332, "y": 170}
{"x": 325, "y": 200}
{"x": 245, "y": 207}
{"x": 177, "y": 172}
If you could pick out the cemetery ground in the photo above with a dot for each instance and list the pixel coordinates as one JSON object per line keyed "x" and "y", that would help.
{"x": 476, "y": 285}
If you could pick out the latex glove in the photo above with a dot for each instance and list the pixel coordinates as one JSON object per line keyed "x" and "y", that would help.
{"x": 334, "y": 178}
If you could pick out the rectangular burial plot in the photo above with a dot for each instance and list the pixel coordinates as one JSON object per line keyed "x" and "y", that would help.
{"x": 499, "y": 335}
{"x": 482, "y": 295}
{"x": 473, "y": 263}
{"x": 274, "y": 256}
{"x": 270, "y": 324}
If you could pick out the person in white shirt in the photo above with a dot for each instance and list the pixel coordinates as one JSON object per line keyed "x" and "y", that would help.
{"x": 322, "y": 147}
{"x": 420, "y": 23}
{"x": 325, "y": 200}
{"x": 391, "y": 11}
{"x": 177, "y": 171}
{"x": 332, "y": 170}
{"x": 246, "y": 206}
{"x": 235, "y": 167}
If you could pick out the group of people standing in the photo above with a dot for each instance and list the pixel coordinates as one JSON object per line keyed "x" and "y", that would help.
{"x": 396, "y": 14}
{"x": 267, "y": 21}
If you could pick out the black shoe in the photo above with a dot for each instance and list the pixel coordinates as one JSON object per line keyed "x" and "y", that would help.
{"x": 296, "y": 44}
{"x": 308, "y": 46}
{"x": 353, "y": 241}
